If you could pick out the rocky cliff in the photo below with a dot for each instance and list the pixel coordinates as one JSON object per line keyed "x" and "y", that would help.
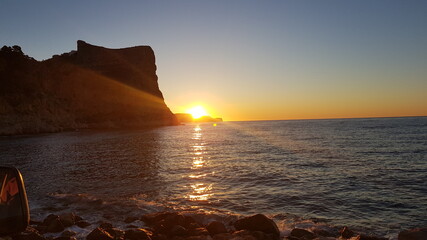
{"x": 93, "y": 87}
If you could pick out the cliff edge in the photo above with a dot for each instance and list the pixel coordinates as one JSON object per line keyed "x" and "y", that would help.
{"x": 91, "y": 88}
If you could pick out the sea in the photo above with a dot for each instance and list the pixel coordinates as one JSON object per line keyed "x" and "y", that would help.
{"x": 368, "y": 174}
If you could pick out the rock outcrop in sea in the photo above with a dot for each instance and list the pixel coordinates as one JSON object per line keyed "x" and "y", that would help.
{"x": 91, "y": 88}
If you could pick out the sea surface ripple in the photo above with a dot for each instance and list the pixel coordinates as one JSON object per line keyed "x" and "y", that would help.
{"x": 369, "y": 174}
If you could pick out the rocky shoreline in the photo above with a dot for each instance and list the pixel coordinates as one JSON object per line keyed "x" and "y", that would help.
{"x": 177, "y": 226}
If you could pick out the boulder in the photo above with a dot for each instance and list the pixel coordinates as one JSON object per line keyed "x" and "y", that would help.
{"x": 178, "y": 230}
{"x": 198, "y": 231}
{"x": 302, "y": 234}
{"x": 116, "y": 233}
{"x": 82, "y": 224}
{"x": 48, "y": 220}
{"x": 29, "y": 235}
{"x": 55, "y": 226}
{"x": 346, "y": 233}
{"x": 258, "y": 222}
{"x": 68, "y": 219}
{"x": 413, "y": 234}
{"x": 99, "y": 234}
{"x": 138, "y": 234}
{"x": 216, "y": 227}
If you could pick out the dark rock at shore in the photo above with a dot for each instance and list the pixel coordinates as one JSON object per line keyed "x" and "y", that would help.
{"x": 413, "y": 234}
{"x": 216, "y": 227}
{"x": 82, "y": 224}
{"x": 258, "y": 222}
{"x": 99, "y": 234}
{"x": 91, "y": 88}
{"x": 29, "y": 234}
{"x": 301, "y": 234}
{"x": 346, "y": 233}
{"x": 138, "y": 234}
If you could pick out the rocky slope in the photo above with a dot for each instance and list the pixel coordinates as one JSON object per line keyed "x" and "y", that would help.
{"x": 93, "y": 87}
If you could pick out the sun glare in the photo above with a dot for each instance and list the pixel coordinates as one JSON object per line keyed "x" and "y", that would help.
{"x": 197, "y": 112}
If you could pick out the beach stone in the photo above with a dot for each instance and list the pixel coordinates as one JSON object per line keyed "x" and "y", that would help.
{"x": 55, "y": 226}
{"x": 202, "y": 237}
{"x": 105, "y": 225}
{"x": 243, "y": 235}
{"x": 346, "y": 232}
{"x": 131, "y": 226}
{"x": 413, "y": 234}
{"x": 99, "y": 234}
{"x": 82, "y": 224}
{"x": 116, "y": 233}
{"x": 67, "y": 219}
{"x": 198, "y": 231}
{"x": 367, "y": 237}
{"x": 302, "y": 234}
{"x": 216, "y": 227}
{"x": 49, "y": 219}
{"x": 138, "y": 234}
{"x": 258, "y": 222}
{"x": 178, "y": 230}
{"x": 29, "y": 234}
{"x": 222, "y": 236}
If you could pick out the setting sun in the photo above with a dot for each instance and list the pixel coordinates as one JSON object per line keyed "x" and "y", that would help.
{"x": 197, "y": 112}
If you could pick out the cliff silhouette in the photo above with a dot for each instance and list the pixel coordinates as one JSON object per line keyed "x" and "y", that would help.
{"x": 91, "y": 88}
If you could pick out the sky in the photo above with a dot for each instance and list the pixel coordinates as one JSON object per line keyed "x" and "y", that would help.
{"x": 251, "y": 60}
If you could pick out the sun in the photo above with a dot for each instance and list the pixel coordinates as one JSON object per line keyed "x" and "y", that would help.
{"x": 197, "y": 112}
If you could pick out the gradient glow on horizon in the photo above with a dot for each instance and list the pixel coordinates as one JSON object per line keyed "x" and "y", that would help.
{"x": 251, "y": 60}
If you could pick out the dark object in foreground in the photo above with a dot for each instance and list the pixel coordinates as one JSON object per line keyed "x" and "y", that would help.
{"x": 413, "y": 234}
{"x": 14, "y": 211}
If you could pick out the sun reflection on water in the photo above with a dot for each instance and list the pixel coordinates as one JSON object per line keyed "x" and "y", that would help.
{"x": 200, "y": 190}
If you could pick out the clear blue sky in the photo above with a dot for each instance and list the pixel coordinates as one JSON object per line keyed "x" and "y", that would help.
{"x": 251, "y": 60}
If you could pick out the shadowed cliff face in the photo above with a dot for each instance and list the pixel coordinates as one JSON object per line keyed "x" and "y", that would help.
{"x": 93, "y": 87}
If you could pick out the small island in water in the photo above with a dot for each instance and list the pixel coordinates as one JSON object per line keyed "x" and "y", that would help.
{"x": 91, "y": 88}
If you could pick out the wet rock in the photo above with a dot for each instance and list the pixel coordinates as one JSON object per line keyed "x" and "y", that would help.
{"x": 189, "y": 222}
{"x": 68, "y": 219}
{"x": 413, "y": 234}
{"x": 198, "y": 231}
{"x": 178, "y": 230}
{"x": 82, "y": 224}
{"x": 131, "y": 226}
{"x": 301, "y": 234}
{"x": 99, "y": 234}
{"x": 243, "y": 235}
{"x": 258, "y": 222}
{"x": 203, "y": 237}
{"x": 346, "y": 233}
{"x": 68, "y": 233}
{"x": 222, "y": 236}
{"x": 367, "y": 237}
{"x": 55, "y": 226}
{"x": 159, "y": 237}
{"x": 116, "y": 233}
{"x": 216, "y": 227}
{"x": 167, "y": 219}
{"x": 49, "y": 219}
{"x": 130, "y": 219}
{"x": 105, "y": 225}
{"x": 29, "y": 234}
{"x": 328, "y": 232}
{"x": 138, "y": 234}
